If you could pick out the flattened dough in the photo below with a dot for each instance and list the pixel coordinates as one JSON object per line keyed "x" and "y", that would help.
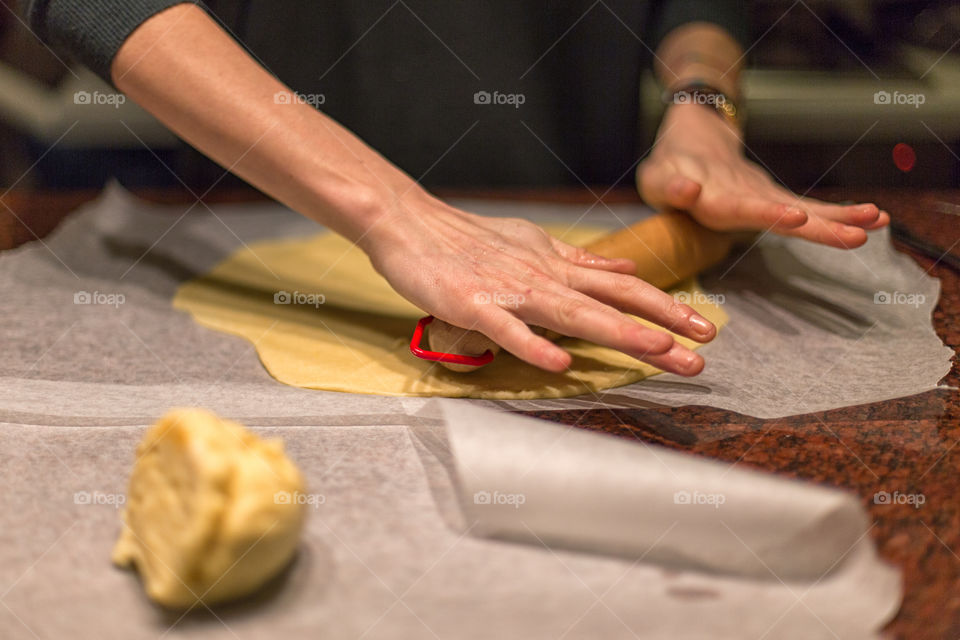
{"x": 357, "y": 339}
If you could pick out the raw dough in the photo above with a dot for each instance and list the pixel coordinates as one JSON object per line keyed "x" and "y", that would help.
{"x": 322, "y": 318}
{"x": 212, "y": 511}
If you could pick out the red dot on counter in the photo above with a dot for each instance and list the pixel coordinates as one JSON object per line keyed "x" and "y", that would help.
{"x": 904, "y": 157}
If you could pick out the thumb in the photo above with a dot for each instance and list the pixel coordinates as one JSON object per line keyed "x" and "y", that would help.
{"x": 661, "y": 186}
{"x": 583, "y": 258}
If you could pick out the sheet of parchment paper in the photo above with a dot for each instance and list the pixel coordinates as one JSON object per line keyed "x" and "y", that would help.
{"x": 379, "y": 558}
{"x": 805, "y": 333}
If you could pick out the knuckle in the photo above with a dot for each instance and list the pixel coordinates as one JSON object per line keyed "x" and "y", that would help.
{"x": 557, "y": 271}
{"x": 678, "y": 311}
{"x": 534, "y": 278}
{"x": 542, "y": 274}
{"x": 639, "y": 338}
{"x": 571, "y": 310}
{"x": 541, "y": 349}
{"x": 581, "y": 255}
{"x": 498, "y": 327}
{"x": 627, "y": 333}
{"x": 490, "y": 316}
{"x": 524, "y": 227}
{"x": 626, "y": 286}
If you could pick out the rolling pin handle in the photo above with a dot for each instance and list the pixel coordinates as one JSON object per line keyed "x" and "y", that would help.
{"x": 439, "y": 356}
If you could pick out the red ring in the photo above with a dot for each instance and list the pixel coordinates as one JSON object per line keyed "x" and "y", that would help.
{"x": 438, "y": 356}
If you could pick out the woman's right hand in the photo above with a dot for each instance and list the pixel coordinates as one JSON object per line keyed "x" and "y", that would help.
{"x": 499, "y": 275}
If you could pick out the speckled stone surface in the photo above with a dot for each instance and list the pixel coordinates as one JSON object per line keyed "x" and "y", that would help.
{"x": 908, "y": 445}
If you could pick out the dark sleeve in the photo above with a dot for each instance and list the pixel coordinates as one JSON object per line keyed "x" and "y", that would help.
{"x": 670, "y": 14}
{"x": 92, "y": 31}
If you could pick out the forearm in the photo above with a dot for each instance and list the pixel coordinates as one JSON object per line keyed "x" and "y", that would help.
{"x": 700, "y": 51}
{"x": 180, "y": 66}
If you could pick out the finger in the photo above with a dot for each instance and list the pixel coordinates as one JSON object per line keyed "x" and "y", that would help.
{"x": 635, "y": 296}
{"x": 515, "y": 336}
{"x": 679, "y": 360}
{"x": 583, "y": 258}
{"x": 661, "y": 186}
{"x": 859, "y": 215}
{"x": 756, "y": 212}
{"x": 830, "y": 233}
{"x": 882, "y": 220}
{"x": 574, "y": 314}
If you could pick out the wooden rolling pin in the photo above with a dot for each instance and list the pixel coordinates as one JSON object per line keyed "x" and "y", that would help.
{"x": 668, "y": 248}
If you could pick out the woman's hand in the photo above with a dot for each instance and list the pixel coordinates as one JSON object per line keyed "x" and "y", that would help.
{"x": 498, "y": 275}
{"x": 698, "y": 166}
{"x": 492, "y": 275}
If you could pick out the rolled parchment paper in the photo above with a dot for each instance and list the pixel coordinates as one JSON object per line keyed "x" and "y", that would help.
{"x": 547, "y": 484}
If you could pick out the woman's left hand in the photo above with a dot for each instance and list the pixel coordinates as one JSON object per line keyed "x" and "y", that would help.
{"x": 698, "y": 166}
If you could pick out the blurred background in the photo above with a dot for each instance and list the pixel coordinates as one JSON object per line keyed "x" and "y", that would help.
{"x": 832, "y": 87}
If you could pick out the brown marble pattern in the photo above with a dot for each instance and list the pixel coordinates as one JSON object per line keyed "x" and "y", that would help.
{"x": 911, "y": 445}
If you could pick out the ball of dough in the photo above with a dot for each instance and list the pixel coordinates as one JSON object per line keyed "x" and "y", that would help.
{"x": 212, "y": 511}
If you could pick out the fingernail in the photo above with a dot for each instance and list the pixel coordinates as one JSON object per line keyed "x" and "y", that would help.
{"x": 701, "y": 325}
{"x": 692, "y": 364}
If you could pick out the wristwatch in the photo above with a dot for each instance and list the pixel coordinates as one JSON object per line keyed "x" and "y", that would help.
{"x": 703, "y": 94}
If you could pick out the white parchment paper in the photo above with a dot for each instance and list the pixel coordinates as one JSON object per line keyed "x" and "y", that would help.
{"x": 399, "y": 545}
{"x": 811, "y": 328}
